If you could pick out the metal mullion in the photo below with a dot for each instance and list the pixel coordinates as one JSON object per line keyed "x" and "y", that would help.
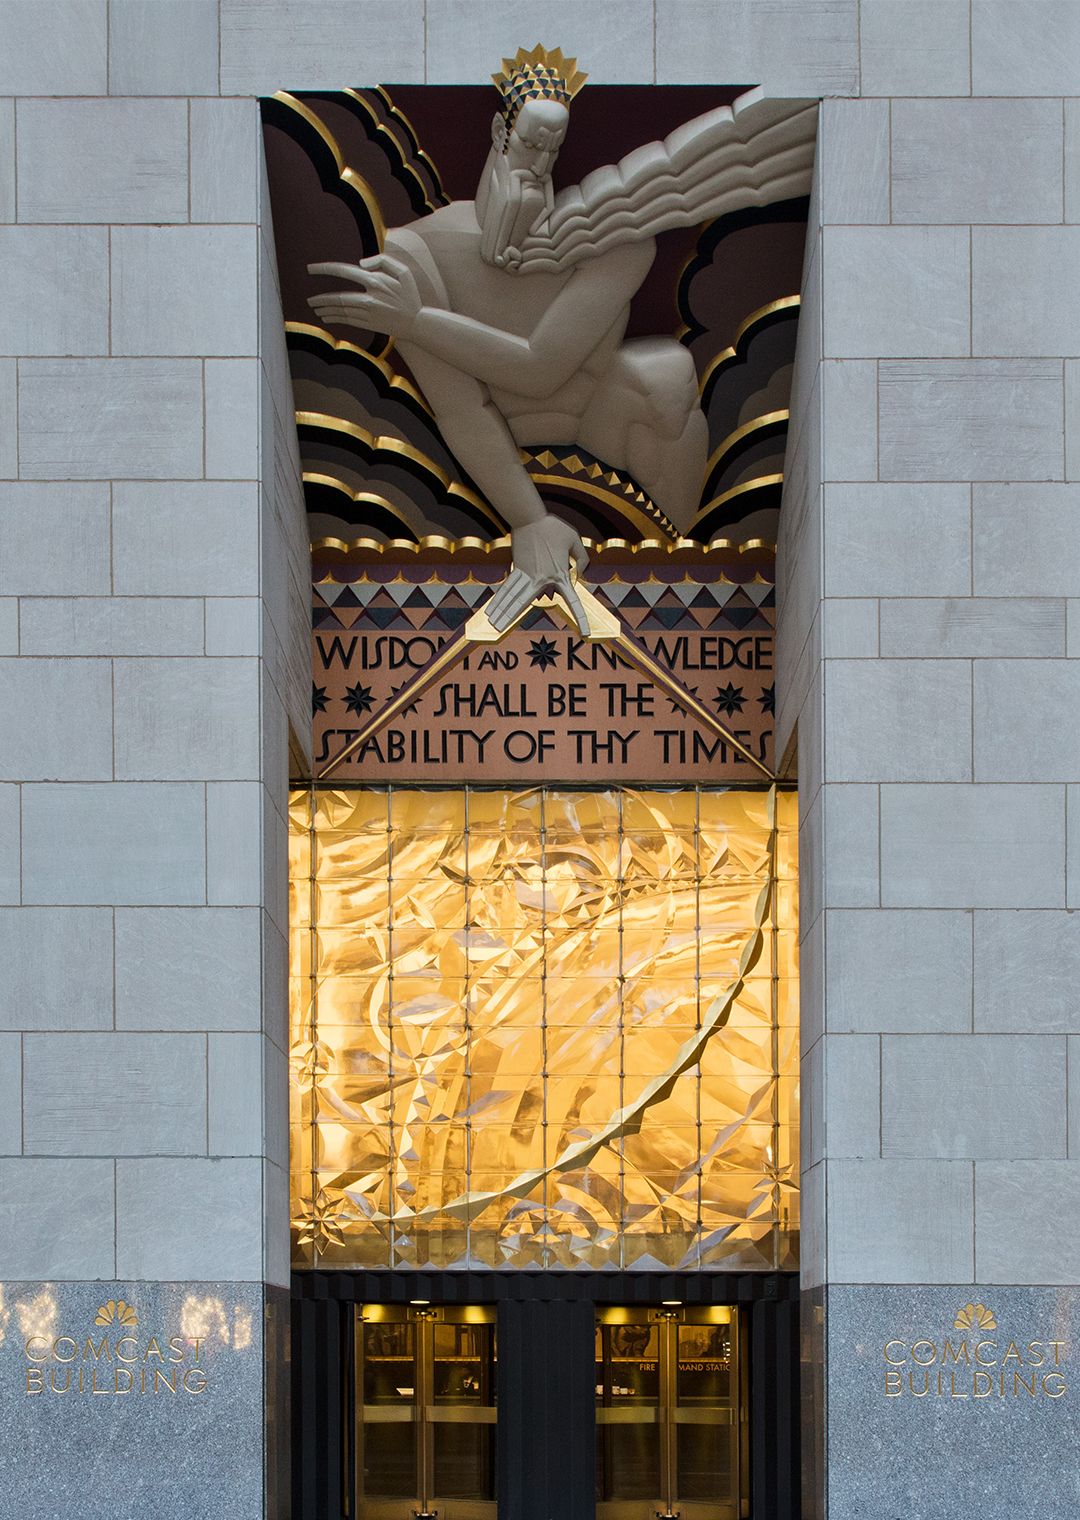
{"x": 425, "y": 1445}
{"x": 774, "y": 1008}
{"x": 697, "y": 977}
{"x": 390, "y": 1140}
{"x": 313, "y": 977}
{"x": 622, "y": 1029}
{"x": 669, "y": 1350}
{"x": 467, "y": 1012}
{"x": 547, "y": 1253}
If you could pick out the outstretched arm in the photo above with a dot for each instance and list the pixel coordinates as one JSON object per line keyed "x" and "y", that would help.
{"x": 574, "y": 323}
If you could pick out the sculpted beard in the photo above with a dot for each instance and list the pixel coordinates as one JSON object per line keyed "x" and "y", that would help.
{"x": 516, "y": 199}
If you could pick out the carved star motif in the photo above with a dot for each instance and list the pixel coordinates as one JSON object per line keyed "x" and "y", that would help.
{"x": 542, "y": 652}
{"x": 729, "y": 699}
{"x": 358, "y": 699}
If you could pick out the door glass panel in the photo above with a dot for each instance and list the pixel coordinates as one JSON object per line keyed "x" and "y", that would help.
{"x": 704, "y": 1454}
{"x": 388, "y": 1451}
{"x": 464, "y": 1379}
{"x": 704, "y": 1371}
{"x": 628, "y": 1402}
{"x": 668, "y": 1414}
{"x": 426, "y": 1436}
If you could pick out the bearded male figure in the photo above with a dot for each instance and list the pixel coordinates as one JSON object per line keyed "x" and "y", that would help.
{"x": 511, "y": 309}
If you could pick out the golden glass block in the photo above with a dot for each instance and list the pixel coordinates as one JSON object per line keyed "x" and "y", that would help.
{"x": 593, "y": 1049}
{"x": 504, "y": 813}
{"x": 502, "y": 1055}
{"x": 573, "y": 816}
{"x": 648, "y": 1052}
{"x": 659, "y": 954}
{"x": 577, "y": 1104}
{"x": 413, "y": 812}
{"x": 584, "y": 1214}
{"x": 511, "y": 1148}
{"x": 589, "y": 953}
{"x": 494, "y": 1001}
{"x": 660, "y": 812}
{"x": 546, "y": 1028}
{"x": 736, "y": 1248}
{"x": 352, "y": 855}
{"x": 570, "y": 1002}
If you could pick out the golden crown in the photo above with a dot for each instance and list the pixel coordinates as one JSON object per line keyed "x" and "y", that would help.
{"x": 536, "y": 74}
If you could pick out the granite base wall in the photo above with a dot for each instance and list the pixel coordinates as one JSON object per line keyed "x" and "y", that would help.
{"x": 163, "y": 1417}
{"x": 926, "y": 1419}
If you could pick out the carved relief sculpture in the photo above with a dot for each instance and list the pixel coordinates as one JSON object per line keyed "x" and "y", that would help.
{"x": 511, "y": 309}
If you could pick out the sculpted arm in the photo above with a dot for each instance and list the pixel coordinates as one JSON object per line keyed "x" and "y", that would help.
{"x": 572, "y": 326}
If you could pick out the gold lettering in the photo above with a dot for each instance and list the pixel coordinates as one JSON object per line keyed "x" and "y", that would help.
{"x": 153, "y": 1349}
{"x": 127, "y": 1340}
{"x": 42, "y": 1340}
{"x": 197, "y": 1342}
{"x": 1012, "y": 1354}
{"x": 1057, "y": 1345}
{"x": 1018, "y": 1383}
{"x": 989, "y": 1388}
{"x": 164, "y": 1377}
{"x": 891, "y": 1361}
{"x": 1060, "y": 1385}
{"x": 939, "y": 1387}
{"x": 97, "y": 1352}
{"x": 176, "y": 1346}
{"x": 1035, "y": 1357}
{"x": 978, "y": 1353}
{"x": 127, "y": 1373}
{"x": 920, "y": 1361}
{"x": 54, "y": 1373}
{"x": 957, "y": 1354}
{"x": 195, "y": 1380}
{"x": 93, "y": 1383}
{"x": 952, "y": 1380}
{"x": 65, "y": 1340}
{"x": 925, "y": 1387}
{"x": 35, "y": 1380}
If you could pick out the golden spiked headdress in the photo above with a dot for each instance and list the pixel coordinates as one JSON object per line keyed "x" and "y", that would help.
{"x": 536, "y": 74}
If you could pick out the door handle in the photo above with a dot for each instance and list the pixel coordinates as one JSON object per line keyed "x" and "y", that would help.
{"x": 666, "y": 1514}
{"x": 425, "y": 1514}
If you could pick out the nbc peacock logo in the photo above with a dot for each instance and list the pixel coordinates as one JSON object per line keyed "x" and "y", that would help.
{"x": 975, "y": 1317}
{"x": 117, "y": 1312}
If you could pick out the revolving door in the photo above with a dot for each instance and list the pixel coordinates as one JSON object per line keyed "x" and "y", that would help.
{"x": 425, "y": 1412}
{"x": 670, "y": 1414}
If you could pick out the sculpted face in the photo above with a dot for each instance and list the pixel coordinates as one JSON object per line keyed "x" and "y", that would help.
{"x": 536, "y": 137}
{"x": 519, "y": 189}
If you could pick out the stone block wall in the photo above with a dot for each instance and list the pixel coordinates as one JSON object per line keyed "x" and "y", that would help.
{"x": 928, "y": 566}
{"x": 154, "y": 589}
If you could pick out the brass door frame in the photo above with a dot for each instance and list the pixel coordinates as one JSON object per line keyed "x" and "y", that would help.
{"x": 669, "y": 1416}
{"x": 424, "y": 1413}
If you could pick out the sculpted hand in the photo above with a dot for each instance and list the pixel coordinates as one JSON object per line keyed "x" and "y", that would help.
{"x": 542, "y": 553}
{"x": 388, "y": 303}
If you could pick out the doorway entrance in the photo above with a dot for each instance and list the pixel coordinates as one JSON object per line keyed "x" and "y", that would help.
{"x": 670, "y": 1414}
{"x": 425, "y": 1415}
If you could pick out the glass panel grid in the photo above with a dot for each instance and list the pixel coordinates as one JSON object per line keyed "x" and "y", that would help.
{"x": 548, "y": 1028}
